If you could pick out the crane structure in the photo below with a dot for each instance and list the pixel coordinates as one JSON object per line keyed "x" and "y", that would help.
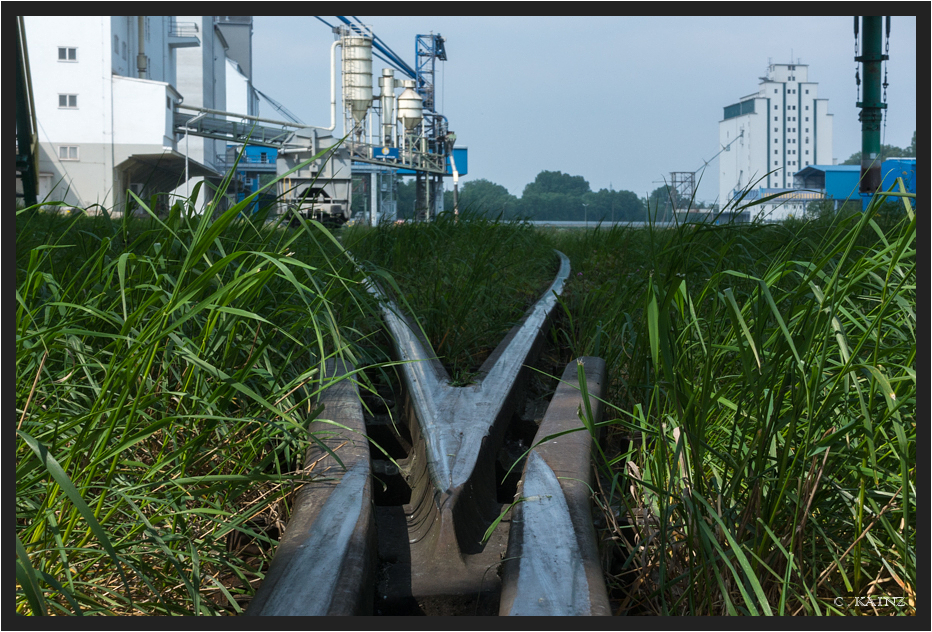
{"x": 683, "y": 183}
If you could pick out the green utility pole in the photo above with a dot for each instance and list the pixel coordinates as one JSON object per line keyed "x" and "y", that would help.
{"x": 871, "y": 117}
{"x": 27, "y": 146}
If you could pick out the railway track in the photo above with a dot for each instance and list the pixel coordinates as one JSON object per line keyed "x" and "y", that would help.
{"x": 401, "y": 529}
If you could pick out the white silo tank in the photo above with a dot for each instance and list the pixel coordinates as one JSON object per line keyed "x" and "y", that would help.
{"x": 357, "y": 74}
{"x": 410, "y": 106}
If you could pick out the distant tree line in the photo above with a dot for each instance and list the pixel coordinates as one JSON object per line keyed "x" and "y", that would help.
{"x": 553, "y": 195}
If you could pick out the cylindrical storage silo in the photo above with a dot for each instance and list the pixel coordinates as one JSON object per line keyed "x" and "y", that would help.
{"x": 357, "y": 74}
{"x": 387, "y": 95}
{"x": 410, "y": 106}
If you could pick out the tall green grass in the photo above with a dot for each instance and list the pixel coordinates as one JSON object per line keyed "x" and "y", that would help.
{"x": 166, "y": 370}
{"x": 764, "y": 389}
{"x": 467, "y": 280}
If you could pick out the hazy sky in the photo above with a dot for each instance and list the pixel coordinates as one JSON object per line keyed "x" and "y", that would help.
{"x": 618, "y": 100}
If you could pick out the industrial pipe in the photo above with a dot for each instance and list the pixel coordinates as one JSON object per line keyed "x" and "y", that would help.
{"x": 192, "y": 108}
{"x": 387, "y": 97}
{"x": 187, "y": 152}
{"x": 333, "y": 89}
{"x": 141, "y": 57}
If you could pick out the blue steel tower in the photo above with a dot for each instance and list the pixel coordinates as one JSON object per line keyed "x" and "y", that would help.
{"x": 427, "y": 50}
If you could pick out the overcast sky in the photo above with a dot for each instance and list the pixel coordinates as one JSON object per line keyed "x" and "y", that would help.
{"x": 621, "y": 101}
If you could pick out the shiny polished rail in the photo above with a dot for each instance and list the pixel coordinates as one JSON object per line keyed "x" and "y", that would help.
{"x": 342, "y": 554}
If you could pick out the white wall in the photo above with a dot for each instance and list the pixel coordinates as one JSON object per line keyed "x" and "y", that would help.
{"x": 745, "y": 162}
{"x": 824, "y": 149}
{"x": 201, "y": 76}
{"x": 84, "y": 77}
{"x": 88, "y": 126}
{"x": 238, "y": 89}
{"x": 117, "y": 114}
{"x": 141, "y": 114}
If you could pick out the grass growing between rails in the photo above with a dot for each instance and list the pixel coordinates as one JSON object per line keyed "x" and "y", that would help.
{"x": 166, "y": 369}
{"x": 762, "y": 455}
{"x": 467, "y": 280}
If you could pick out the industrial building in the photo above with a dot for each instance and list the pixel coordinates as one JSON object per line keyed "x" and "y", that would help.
{"x": 106, "y": 88}
{"x": 155, "y": 104}
{"x": 770, "y": 135}
{"x": 841, "y": 183}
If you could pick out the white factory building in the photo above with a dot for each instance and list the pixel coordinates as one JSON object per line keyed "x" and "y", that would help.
{"x": 774, "y": 133}
{"x": 106, "y": 89}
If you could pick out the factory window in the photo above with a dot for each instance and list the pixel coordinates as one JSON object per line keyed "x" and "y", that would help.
{"x": 807, "y": 131}
{"x": 67, "y": 53}
{"x": 807, "y": 152}
{"x": 68, "y": 101}
{"x": 776, "y": 118}
{"x": 776, "y": 151}
{"x": 776, "y": 107}
{"x": 147, "y": 28}
{"x": 807, "y": 107}
{"x": 774, "y": 90}
{"x": 807, "y": 118}
{"x": 807, "y": 92}
{"x": 807, "y": 140}
{"x": 116, "y": 44}
{"x": 775, "y": 129}
{"x": 68, "y": 153}
{"x": 124, "y": 50}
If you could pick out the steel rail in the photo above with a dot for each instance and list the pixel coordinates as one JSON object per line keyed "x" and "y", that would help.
{"x": 432, "y": 556}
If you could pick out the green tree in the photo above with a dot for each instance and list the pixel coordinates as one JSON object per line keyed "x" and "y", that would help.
{"x": 661, "y": 202}
{"x": 558, "y": 182}
{"x": 484, "y": 198}
{"x": 405, "y": 195}
{"x": 886, "y": 151}
{"x": 620, "y": 206}
{"x": 551, "y": 206}
{"x": 555, "y": 196}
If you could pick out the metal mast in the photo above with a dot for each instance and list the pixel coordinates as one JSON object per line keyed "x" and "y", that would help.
{"x": 683, "y": 184}
{"x": 872, "y": 105}
{"x": 429, "y": 189}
